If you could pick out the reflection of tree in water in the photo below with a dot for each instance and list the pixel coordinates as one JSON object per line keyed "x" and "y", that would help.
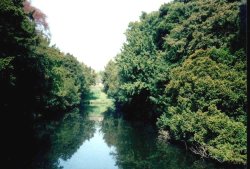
{"x": 132, "y": 145}
{"x": 137, "y": 148}
{"x": 64, "y": 138}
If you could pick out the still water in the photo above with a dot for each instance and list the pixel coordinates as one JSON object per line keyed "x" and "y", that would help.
{"x": 99, "y": 142}
{"x": 93, "y": 138}
{"x": 99, "y": 158}
{"x": 113, "y": 143}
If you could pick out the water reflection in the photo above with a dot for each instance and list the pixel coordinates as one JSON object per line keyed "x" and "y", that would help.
{"x": 137, "y": 148}
{"x": 110, "y": 143}
{"x": 63, "y": 139}
{"x": 82, "y": 140}
{"x": 93, "y": 154}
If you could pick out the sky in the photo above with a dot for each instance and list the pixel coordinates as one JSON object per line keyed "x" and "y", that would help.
{"x": 92, "y": 30}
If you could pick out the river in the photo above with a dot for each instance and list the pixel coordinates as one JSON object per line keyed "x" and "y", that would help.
{"x": 93, "y": 138}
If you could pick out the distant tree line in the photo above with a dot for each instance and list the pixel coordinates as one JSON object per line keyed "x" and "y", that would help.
{"x": 184, "y": 67}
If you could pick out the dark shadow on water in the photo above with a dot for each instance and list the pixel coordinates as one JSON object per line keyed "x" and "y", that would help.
{"x": 40, "y": 145}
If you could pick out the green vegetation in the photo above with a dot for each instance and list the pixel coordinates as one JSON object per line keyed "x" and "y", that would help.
{"x": 137, "y": 148}
{"x": 38, "y": 83}
{"x": 97, "y": 101}
{"x": 32, "y": 73}
{"x": 184, "y": 67}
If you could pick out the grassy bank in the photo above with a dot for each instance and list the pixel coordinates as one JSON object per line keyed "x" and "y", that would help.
{"x": 97, "y": 101}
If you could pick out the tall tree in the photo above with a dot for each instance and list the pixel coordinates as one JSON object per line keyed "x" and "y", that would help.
{"x": 185, "y": 64}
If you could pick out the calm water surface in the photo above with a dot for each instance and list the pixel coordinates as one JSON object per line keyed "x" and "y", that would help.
{"x": 93, "y": 153}
{"x": 112, "y": 143}
{"x": 78, "y": 142}
{"x": 92, "y": 138}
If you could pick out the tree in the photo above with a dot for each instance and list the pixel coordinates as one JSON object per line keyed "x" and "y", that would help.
{"x": 184, "y": 66}
{"x": 207, "y": 99}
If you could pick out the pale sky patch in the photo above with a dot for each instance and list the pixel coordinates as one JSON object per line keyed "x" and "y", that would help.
{"x": 93, "y": 31}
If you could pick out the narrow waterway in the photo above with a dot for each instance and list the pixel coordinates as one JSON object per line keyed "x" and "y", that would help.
{"x": 113, "y": 143}
{"x": 92, "y": 138}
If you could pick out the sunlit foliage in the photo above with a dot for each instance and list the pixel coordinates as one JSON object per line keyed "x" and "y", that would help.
{"x": 185, "y": 64}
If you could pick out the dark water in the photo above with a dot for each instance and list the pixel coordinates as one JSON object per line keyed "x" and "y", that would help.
{"x": 100, "y": 142}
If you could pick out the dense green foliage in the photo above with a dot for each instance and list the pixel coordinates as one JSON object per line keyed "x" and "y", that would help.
{"x": 136, "y": 147}
{"x": 67, "y": 80}
{"x": 186, "y": 66}
{"x": 32, "y": 73}
{"x": 111, "y": 82}
{"x": 37, "y": 81}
